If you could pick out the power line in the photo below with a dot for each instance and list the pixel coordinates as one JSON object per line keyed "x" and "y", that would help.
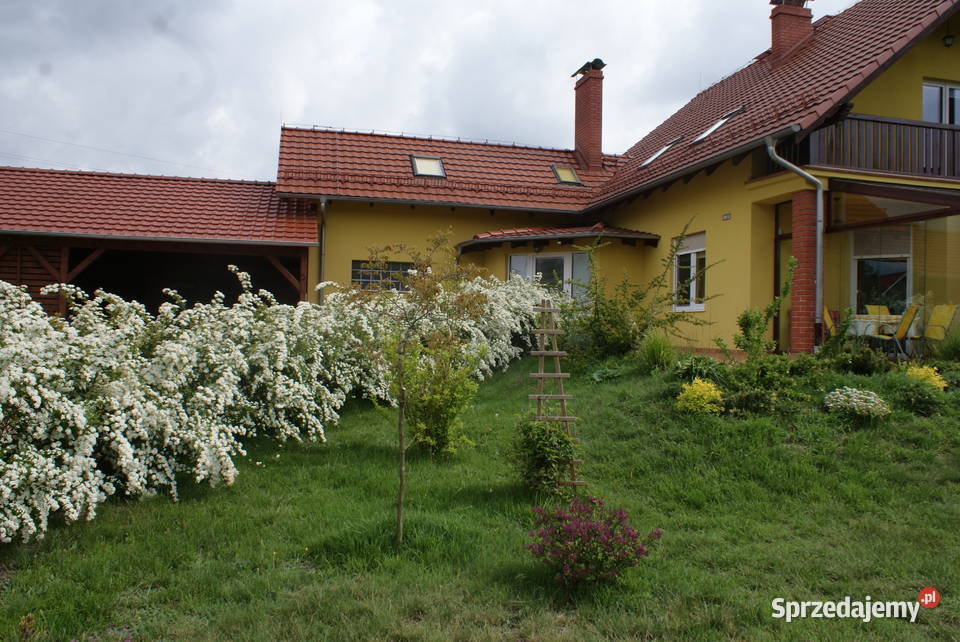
{"x": 103, "y": 149}
{"x": 33, "y": 159}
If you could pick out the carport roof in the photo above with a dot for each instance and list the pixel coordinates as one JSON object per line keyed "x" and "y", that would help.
{"x": 133, "y": 206}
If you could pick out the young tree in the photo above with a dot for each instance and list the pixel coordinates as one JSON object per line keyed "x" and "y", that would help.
{"x": 418, "y": 307}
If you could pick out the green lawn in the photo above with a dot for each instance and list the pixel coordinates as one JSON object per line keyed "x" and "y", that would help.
{"x": 299, "y": 547}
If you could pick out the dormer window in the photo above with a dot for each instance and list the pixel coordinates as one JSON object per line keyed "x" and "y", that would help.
{"x": 566, "y": 175}
{"x": 663, "y": 150}
{"x": 717, "y": 125}
{"x": 427, "y": 166}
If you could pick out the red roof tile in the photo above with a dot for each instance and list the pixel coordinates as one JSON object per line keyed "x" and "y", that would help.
{"x": 149, "y": 207}
{"x": 540, "y": 233}
{"x": 343, "y": 164}
{"x": 844, "y": 53}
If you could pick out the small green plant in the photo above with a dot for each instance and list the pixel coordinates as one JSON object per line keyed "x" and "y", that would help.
{"x": 754, "y": 324}
{"x": 840, "y": 340}
{"x": 928, "y": 375}
{"x": 587, "y": 542}
{"x": 609, "y": 320}
{"x": 438, "y": 394}
{"x": 949, "y": 348}
{"x": 655, "y": 352}
{"x": 700, "y": 397}
{"x": 859, "y": 359}
{"x": 604, "y": 374}
{"x": 763, "y": 385}
{"x": 856, "y": 404}
{"x": 698, "y": 366}
{"x": 920, "y": 397}
{"x": 543, "y": 453}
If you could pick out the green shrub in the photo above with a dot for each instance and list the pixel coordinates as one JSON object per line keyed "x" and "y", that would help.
{"x": 698, "y": 366}
{"x": 763, "y": 385}
{"x": 543, "y": 454}
{"x": 919, "y": 397}
{"x": 700, "y": 397}
{"x": 949, "y": 348}
{"x": 655, "y": 352}
{"x": 859, "y": 359}
{"x": 803, "y": 365}
{"x": 609, "y": 320}
{"x": 437, "y": 395}
{"x": 950, "y": 371}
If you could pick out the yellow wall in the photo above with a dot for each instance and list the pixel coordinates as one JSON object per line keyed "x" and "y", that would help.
{"x": 741, "y": 247}
{"x": 898, "y": 92}
{"x": 353, "y": 227}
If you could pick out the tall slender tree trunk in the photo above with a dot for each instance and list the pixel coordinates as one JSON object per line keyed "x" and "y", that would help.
{"x": 401, "y": 435}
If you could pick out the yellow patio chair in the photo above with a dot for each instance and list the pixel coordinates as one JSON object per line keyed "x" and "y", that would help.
{"x": 877, "y": 310}
{"x": 941, "y": 318}
{"x": 899, "y": 337}
{"x": 829, "y": 327}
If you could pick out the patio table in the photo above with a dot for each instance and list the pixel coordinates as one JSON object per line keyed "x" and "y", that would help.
{"x": 867, "y": 324}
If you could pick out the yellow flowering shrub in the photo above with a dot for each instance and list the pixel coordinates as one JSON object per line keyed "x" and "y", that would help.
{"x": 927, "y": 374}
{"x": 701, "y": 397}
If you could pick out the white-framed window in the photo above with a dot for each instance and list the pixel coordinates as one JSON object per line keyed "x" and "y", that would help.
{"x": 690, "y": 274}
{"x": 569, "y": 271}
{"x": 941, "y": 103}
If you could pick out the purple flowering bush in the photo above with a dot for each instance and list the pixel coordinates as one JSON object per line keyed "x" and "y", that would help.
{"x": 587, "y": 542}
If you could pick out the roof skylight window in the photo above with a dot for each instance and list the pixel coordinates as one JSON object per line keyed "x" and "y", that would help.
{"x": 717, "y": 125}
{"x": 663, "y": 150}
{"x": 427, "y": 166}
{"x": 566, "y": 175}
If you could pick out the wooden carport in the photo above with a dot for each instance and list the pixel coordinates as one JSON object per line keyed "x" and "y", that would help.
{"x": 55, "y": 225}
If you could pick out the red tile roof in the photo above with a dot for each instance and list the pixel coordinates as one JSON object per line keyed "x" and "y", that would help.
{"x": 343, "y": 164}
{"x": 841, "y": 56}
{"x": 543, "y": 233}
{"x": 130, "y": 206}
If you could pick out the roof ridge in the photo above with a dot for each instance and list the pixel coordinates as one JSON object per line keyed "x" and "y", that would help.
{"x": 503, "y": 186}
{"x": 85, "y": 172}
{"x": 431, "y": 137}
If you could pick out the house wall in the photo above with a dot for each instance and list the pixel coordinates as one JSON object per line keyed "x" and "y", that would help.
{"x": 614, "y": 260}
{"x": 740, "y": 247}
{"x": 353, "y": 227}
{"x": 898, "y": 92}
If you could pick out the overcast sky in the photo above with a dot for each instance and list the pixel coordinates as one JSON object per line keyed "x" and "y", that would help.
{"x": 205, "y": 85}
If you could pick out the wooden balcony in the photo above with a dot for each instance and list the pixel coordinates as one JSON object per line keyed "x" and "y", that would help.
{"x": 873, "y": 144}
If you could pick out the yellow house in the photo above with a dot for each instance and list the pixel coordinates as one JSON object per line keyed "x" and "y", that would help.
{"x": 839, "y": 145}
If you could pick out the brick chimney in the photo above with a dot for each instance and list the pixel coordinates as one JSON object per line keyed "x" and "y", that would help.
{"x": 588, "y": 120}
{"x": 790, "y": 23}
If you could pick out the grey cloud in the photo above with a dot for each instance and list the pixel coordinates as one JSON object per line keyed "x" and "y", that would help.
{"x": 207, "y": 84}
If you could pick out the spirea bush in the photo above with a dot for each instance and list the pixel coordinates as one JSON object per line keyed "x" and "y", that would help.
{"x": 700, "y": 397}
{"x": 114, "y": 399}
{"x": 587, "y": 542}
{"x": 853, "y": 403}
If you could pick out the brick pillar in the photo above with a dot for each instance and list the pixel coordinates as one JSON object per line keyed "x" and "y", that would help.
{"x": 803, "y": 299}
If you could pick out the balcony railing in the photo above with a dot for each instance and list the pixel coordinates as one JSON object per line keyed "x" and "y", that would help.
{"x": 885, "y": 145}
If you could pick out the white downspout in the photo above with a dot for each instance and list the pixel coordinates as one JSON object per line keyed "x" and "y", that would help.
{"x": 818, "y": 284}
{"x": 322, "y": 233}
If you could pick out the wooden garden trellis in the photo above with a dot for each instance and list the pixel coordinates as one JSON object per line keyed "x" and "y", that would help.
{"x": 548, "y": 328}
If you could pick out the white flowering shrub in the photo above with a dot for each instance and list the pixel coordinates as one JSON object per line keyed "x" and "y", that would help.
{"x": 851, "y": 402}
{"x": 115, "y": 399}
